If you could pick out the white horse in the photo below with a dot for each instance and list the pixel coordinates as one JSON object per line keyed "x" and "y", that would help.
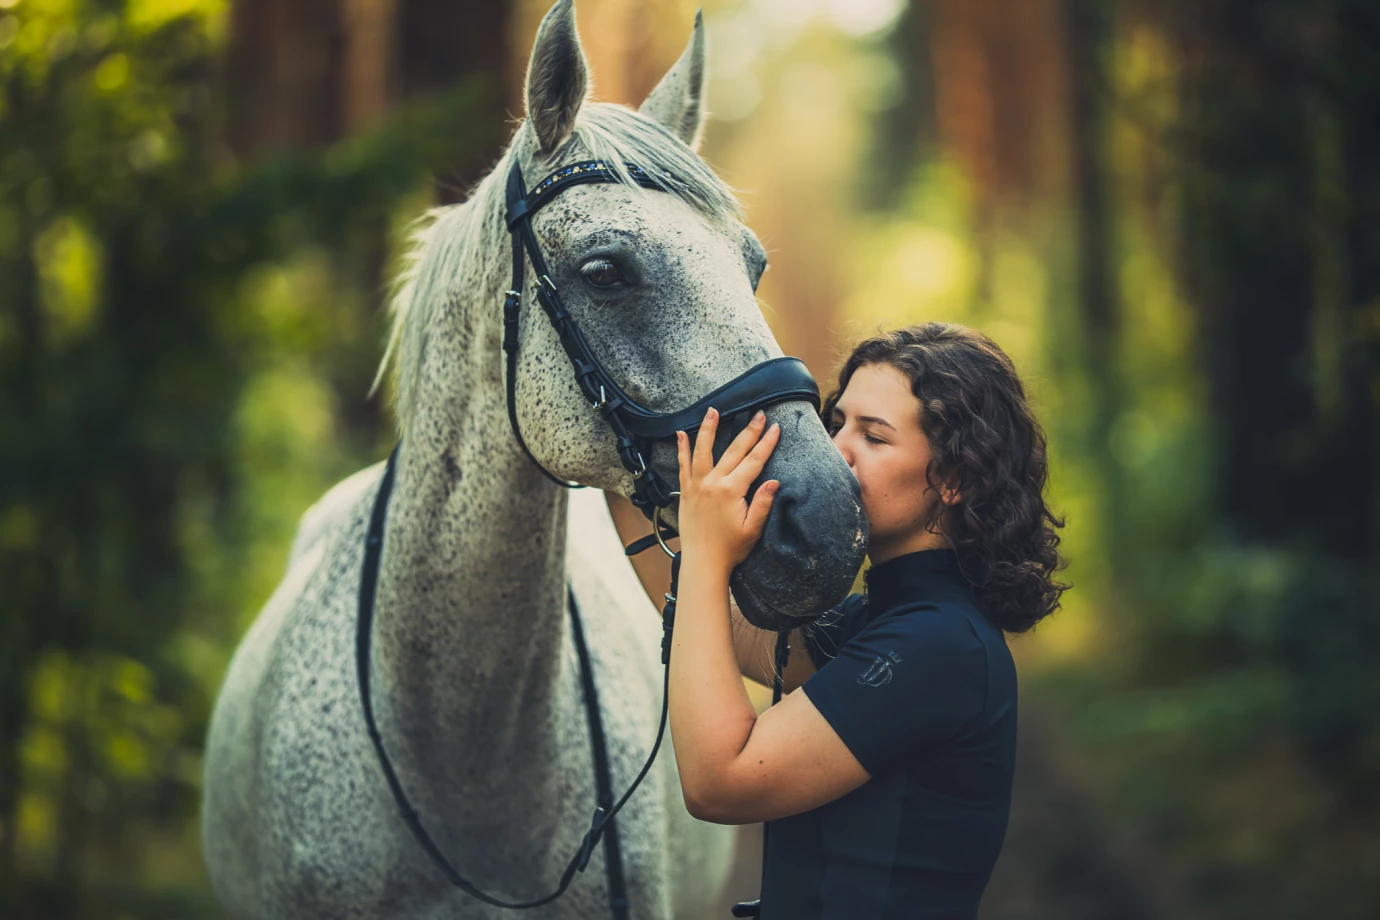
{"x": 475, "y": 680}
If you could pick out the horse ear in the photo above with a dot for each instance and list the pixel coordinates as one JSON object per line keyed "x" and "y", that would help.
{"x": 557, "y": 77}
{"x": 678, "y": 100}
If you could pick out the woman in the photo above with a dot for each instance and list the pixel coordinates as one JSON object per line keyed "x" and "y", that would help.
{"x": 885, "y": 772}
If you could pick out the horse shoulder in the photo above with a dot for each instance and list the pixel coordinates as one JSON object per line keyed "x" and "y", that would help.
{"x": 315, "y": 563}
{"x": 277, "y": 723}
{"x": 331, "y": 510}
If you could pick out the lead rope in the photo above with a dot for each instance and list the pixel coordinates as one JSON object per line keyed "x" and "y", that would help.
{"x": 604, "y": 814}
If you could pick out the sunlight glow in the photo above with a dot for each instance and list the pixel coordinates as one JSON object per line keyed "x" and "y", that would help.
{"x": 931, "y": 263}
{"x": 856, "y": 18}
{"x": 863, "y": 17}
{"x": 733, "y": 97}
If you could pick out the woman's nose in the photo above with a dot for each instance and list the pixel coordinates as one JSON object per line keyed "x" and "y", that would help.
{"x": 841, "y": 445}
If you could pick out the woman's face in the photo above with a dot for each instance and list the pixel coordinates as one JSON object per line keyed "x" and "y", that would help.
{"x": 876, "y": 426}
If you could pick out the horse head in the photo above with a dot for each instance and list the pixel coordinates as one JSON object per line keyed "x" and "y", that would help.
{"x": 658, "y": 272}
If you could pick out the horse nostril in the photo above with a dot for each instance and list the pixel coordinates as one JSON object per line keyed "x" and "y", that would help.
{"x": 786, "y": 533}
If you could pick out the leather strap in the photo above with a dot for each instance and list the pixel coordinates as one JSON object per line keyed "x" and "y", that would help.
{"x": 521, "y": 205}
{"x": 512, "y": 310}
{"x": 606, "y": 809}
{"x": 613, "y": 853}
{"x": 635, "y": 427}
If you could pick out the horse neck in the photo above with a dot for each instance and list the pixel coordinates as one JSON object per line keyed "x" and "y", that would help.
{"x": 472, "y": 589}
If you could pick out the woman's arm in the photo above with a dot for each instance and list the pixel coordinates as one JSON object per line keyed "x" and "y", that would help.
{"x": 755, "y": 649}
{"x": 734, "y": 766}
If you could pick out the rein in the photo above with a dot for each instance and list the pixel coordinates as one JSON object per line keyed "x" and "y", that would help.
{"x": 605, "y": 808}
{"x": 636, "y": 429}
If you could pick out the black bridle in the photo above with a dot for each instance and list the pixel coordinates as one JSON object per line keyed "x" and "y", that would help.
{"x": 636, "y": 428}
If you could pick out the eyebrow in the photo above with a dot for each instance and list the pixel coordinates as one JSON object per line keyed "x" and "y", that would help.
{"x": 868, "y": 418}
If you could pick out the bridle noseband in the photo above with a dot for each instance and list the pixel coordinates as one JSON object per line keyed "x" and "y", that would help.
{"x": 636, "y": 429}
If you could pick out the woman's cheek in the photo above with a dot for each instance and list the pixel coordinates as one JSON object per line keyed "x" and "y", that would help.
{"x": 864, "y": 492}
{"x": 879, "y": 507}
{"x": 864, "y": 483}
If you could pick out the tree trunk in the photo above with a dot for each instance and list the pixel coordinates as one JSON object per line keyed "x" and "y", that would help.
{"x": 1088, "y": 35}
{"x": 442, "y": 44}
{"x": 1248, "y": 183}
{"x": 1355, "y": 453}
{"x": 286, "y": 69}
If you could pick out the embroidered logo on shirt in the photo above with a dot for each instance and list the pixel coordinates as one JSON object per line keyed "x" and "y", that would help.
{"x": 878, "y": 674}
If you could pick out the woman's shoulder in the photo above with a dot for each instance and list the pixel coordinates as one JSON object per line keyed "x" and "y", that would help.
{"x": 941, "y": 636}
{"x": 916, "y": 674}
{"x": 948, "y": 616}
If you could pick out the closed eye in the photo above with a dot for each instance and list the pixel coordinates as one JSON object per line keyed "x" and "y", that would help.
{"x": 834, "y": 429}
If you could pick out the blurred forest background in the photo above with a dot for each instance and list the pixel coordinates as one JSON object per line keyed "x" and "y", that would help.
{"x": 1167, "y": 212}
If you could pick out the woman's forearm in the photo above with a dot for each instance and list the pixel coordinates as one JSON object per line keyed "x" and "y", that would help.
{"x": 711, "y": 715}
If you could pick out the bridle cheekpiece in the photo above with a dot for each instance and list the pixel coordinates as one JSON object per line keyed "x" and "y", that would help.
{"x": 635, "y": 427}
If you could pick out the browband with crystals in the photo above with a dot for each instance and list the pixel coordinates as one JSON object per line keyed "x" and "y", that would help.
{"x": 575, "y": 174}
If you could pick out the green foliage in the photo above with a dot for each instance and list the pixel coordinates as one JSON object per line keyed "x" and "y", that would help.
{"x": 176, "y": 327}
{"x": 1213, "y": 436}
{"x": 186, "y": 339}
{"x": 1230, "y": 703}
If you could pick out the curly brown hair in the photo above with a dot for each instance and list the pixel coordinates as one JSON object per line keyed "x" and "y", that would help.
{"x": 985, "y": 440}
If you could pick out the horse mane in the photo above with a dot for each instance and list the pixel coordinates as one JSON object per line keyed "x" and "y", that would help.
{"x": 468, "y": 242}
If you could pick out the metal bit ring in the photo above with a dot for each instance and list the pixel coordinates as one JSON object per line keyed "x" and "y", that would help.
{"x": 656, "y": 528}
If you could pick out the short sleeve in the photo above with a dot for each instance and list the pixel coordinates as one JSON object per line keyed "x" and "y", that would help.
{"x": 827, "y": 635}
{"x": 912, "y": 678}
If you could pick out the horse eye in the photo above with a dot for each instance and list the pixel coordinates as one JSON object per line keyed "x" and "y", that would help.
{"x": 602, "y": 273}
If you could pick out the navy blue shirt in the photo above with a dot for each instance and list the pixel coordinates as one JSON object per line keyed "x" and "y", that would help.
{"x": 922, "y": 689}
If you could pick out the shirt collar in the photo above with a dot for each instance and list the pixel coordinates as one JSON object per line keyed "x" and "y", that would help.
{"x": 911, "y": 577}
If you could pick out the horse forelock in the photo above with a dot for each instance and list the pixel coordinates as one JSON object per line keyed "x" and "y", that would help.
{"x": 469, "y": 243}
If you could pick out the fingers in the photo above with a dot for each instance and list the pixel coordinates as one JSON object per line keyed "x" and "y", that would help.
{"x": 752, "y": 465}
{"x": 760, "y": 508}
{"x": 703, "y": 459}
{"x": 743, "y": 443}
{"x": 683, "y": 460}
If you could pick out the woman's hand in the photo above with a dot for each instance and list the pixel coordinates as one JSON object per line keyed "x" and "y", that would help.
{"x": 715, "y": 521}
